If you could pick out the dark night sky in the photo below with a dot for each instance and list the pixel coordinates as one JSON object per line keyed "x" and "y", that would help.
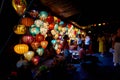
{"x": 91, "y": 12}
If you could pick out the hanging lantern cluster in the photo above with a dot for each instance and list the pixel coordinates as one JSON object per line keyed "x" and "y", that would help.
{"x": 35, "y": 29}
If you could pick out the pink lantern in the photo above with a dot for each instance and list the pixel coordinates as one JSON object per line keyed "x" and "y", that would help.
{"x": 27, "y": 39}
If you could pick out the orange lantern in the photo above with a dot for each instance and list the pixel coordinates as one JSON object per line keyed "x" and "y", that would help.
{"x": 44, "y": 44}
{"x": 27, "y": 21}
{"x": 58, "y": 51}
{"x": 19, "y": 29}
{"x": 21, "y": 48}
{"x": 51, "y": 26}
{"x": 35, "y": 45}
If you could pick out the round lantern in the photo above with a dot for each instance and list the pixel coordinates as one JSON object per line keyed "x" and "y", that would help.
{"x": 44, "y": 44}
{"x": 50, "y": 19}
{"x": 27, "y": 39}
{"x": 34, "y": 30}
{"x": 39, "y": 37}
{"x": 40, "y": 51}
{"x": 43, "y": 15}
{"x": 29, "y": 55}
{"x": 21, "y": 48}
{"x": 27, "y": 21}
{"x": 38, "y": 22}
{"x": 19, "y": 29}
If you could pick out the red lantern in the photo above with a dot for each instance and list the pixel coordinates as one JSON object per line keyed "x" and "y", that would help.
{"x": 50, "y": 19}
{"x": 27, "y": 21}
{"x": 44, "y": 44}
{"x": 35, "y": 60}
{"x": 39, "y": 37}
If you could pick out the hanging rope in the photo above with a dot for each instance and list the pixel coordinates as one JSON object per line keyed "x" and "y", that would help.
{"x": 1, "y": 7}
{"x": 18, "y": 22}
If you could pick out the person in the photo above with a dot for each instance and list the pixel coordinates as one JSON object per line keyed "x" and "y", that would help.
{"x": 87, "y": 42}
{"x": 65, "y": 48}
{"x": 79, "y": 41}
{"x": 101, "y": 40}
{"x": 116, "y": 46}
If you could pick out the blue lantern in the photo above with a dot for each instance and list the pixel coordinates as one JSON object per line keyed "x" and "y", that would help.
{"x": 34, "y": 30}
{"x": 43, "y": 15}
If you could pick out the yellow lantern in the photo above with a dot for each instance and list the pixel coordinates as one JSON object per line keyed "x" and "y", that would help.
{"x": 19, "y": 29}
{"x": 44, "y": 44}
{"x": 21, "y": 48}
{"x": 19, "y": 6}
{"x": 29, "y": 55}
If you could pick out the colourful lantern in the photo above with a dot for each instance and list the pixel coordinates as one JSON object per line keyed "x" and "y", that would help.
{"x": 44, "y": 44}
{"x": 29, "y": 55}
{"x": 39, "y": 37}
{"x": 34, "y": 13}
{"x": 19, "y": 29}
{"x": 43, "y": 68}
{"x": 34, "y": 30}
{"x": 40, "y": 51}
{"x": 38, "y": 22}
{"x": 50, "y": 19}
{"x": 27, "y": 21}
{"x": 21, "y": 63}
{"x": 56, "y": 26}
{"x": 58, "y": 51}
{"x": 35, "y": 45}
{"x": 21, "y": 48}
{"x": 43, "y": 15}
{"x": 19, "y": 6}
{"x": 35, "y": 60}
{"x": 51, "y": 26}
{"x": 27, "y": 39}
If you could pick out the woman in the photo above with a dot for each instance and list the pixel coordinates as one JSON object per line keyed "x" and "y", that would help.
{"x": 101, "y": 40}
{"x": 116, "y": 55}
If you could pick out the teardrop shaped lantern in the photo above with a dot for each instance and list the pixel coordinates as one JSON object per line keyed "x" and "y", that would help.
{"x": 29, "y": 55}
{"x": 21, "y": 48}
{"x": 19, "y": 6}
{"x": 44, "y": 44}
{"x": 40, "y": 51}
